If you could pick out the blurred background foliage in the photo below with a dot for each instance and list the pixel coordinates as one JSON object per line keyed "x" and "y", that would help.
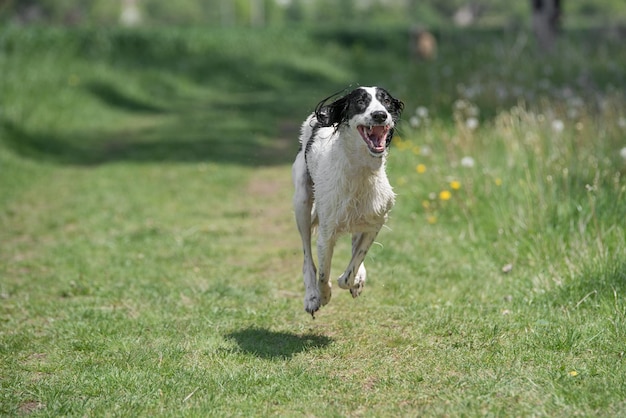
{"x": 224, "y": 13}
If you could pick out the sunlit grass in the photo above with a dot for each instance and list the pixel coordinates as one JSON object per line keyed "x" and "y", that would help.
{"x": 150, "y": 264}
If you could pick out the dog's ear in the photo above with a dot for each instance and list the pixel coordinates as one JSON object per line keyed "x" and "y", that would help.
{"x": 332, "y": 114}
{"x": 397, "y": 108}
{"x": 389, "y": 137}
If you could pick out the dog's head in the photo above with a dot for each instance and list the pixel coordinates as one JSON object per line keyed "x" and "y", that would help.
{"x": 371, "y": 111}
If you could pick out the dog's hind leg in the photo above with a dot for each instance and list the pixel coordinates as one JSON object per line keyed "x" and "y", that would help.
{"x": 303, "y": 203}
{"x": 354, "y": 276}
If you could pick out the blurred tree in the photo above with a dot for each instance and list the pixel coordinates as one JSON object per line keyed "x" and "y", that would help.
{"x": 546, "y": 16}
{"x": 426, "y": 13}
{"x": 257, "y": 12}
{"x": 295, "y": 11}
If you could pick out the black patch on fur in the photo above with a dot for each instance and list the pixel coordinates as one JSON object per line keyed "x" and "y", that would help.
{"x": 342, "y": 109}
{"x": 393, "y": 106}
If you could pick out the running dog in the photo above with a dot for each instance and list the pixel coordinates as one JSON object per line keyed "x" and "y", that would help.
{"x": 341, "y": 185}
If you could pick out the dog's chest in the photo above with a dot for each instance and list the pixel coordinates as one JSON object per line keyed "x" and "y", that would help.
{"x": 355, "y": 204}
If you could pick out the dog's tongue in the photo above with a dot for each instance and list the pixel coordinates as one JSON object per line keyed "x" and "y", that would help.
{"x": 378, "y": 136}
{"x": 375, "y": 137}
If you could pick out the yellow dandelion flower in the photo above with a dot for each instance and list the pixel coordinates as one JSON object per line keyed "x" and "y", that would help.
{"x": 416, "y": 150}
{"x": 73, "y": 80}
{"x": 421, "y": 168}
{"x": 445, "y": 195}
{"x": 402, "y": 144}
{"x": 432, "y": 219}
{"x": 498, "y": 181}
{"x": 455, "y": 185}
{"x": 425, "y": 204}
{"x": 573, "y": 373}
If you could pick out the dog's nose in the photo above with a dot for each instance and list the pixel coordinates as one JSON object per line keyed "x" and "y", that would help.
{"x": 379, "y": 116}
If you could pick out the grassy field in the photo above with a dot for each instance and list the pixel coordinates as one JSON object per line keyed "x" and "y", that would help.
{"x": 150, "y": 266}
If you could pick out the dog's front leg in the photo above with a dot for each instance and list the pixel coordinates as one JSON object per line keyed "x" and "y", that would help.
{"x": 354, "y": 276}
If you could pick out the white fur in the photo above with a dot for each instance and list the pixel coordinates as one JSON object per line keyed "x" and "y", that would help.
{"x": 340, "y": 187}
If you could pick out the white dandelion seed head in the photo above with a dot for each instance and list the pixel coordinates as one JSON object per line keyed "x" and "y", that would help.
{"x": 422, "y": 112}
{"x": 621, "y": 122}
{"x": 414, "y": 121}
{"x": 558, "y": 125}
{"x": 467, "y": 162}
{"x": 622, "y": 153}
{"x": 460, "y": 104}
{"x": 471, "y": 123}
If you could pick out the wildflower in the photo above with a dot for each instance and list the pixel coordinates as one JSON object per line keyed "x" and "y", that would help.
{"x": 455, "y": 185}
{"x": 558, "y": 126}
{"x": 467, "y": 162}
{"x": 425, "y": 204}
{"x": 425, "y": 151}
{"x": 401, "y": 144}
{"x": 416, "y": 150}
{"x": 622, "y": 153}
{"x": 73, "y": 80}
{"x": 422, "y": 112}
{"x": 471, "y": 123}
{"x": 573, "y": 373}
{"x": 460, "y": 105}
{"x": 445, "y": 195}
{"x": 431, "y": 219}
{"x": 498, "y": 181}
{"x": 421, "y": 168}
{"x": 414, "y": 121}
{"x": 621, "y": 122}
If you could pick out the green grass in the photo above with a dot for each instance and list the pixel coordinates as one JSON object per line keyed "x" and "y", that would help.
{"x": 149, "y": 262}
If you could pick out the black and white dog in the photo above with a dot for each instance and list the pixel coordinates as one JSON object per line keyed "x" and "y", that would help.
{"x": 341, "y": 185}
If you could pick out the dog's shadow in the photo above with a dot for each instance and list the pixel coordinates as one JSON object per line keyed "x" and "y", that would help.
{"x": 268, "y": 344}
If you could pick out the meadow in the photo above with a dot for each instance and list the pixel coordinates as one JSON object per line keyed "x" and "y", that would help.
{"x": 150, "y": 265}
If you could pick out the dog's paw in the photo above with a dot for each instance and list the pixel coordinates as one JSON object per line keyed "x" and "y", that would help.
{"x": 312, "y": 304}
{"x": 344, "y": 280}
{"x": 357, "y": 289}
{"x": 359, "y": 282}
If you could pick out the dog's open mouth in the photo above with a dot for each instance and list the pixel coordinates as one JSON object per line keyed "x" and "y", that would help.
{"x": 375, "y": 137}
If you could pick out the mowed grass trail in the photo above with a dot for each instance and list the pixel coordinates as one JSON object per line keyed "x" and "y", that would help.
{"x": 150, "y": 264}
